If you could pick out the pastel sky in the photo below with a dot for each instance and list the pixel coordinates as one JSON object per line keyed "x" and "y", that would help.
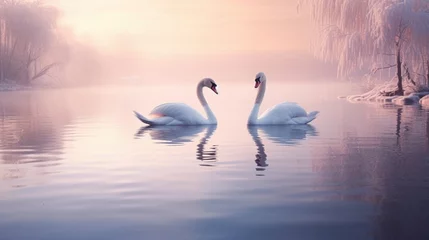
{"x": 190, "y": 26}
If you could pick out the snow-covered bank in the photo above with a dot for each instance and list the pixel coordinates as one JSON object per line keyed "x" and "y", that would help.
{"x": 5, "y": 87}
{"x": 9, "y": 85}
{"x": 383, "y": 94}
{"x": 424, "y": 101}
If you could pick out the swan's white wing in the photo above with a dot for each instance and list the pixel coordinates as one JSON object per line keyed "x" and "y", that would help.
{"x": 285, "y": 113}
{"x": 180, "y": 112}
{"x": 285, "y": 109}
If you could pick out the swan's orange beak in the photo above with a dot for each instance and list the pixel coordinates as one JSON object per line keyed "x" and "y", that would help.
{"x": 214, "y": 89}
{"x": 257, "y": 83}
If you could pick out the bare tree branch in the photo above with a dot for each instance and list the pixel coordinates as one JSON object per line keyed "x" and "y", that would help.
{"x": 387, "y": 54}
{"x": 381, "y": 68}
{"x": 419, "y": 74}
{"x": 44, "y": 71}
{"x": 408, "y": 75}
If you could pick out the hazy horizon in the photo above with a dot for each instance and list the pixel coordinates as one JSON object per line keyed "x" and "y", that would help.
{"x": 169, "y": 27}
{"x": 219, "y": 39}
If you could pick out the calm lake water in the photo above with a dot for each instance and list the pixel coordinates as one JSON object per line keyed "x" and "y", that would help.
{"x": 76, "y": 164}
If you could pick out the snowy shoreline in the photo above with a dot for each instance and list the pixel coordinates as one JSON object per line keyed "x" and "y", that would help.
{"x": 11, "y": 86}
{"x": 378, "y": 95}
{"x": 7, "y": 87}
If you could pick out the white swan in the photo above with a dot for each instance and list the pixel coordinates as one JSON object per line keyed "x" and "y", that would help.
{"x": 182, "y": 114}
{"x": 280, "y": 114}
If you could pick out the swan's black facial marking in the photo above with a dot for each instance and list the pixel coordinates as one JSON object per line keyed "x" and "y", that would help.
{"x": 257, "y": 82}
{"x": 213, "y": 87}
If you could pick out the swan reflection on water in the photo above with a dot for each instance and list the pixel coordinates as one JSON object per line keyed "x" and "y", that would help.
{"x": 179, "y": 135}
{"x": 288, "y": 135}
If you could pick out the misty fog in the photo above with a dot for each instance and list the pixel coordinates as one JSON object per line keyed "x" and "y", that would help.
{"x": 85, "y": 43}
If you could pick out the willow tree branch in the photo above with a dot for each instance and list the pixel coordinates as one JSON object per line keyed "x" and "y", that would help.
{"x": 381, "y": 68}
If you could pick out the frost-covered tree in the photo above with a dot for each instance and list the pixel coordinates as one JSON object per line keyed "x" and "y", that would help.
{"x": 27, "y": 32}
{"x": 374, "y": 35}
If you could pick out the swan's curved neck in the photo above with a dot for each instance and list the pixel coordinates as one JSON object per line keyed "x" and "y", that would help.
{"x": 254, "y": 113}
{"x": 211, "y": 117}
{"x": 261, "y": 93}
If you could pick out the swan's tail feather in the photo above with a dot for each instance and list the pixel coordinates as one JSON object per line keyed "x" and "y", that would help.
{"x": 313, "y": 115}
{"x": 156, "y": 121}
{"x": 305, "y": 120}
{"x": 143, "y": 119}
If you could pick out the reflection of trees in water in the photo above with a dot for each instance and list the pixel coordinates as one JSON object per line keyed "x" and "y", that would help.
{"x": 390, "y": 171}
{"x": 32, "y": 129}
{"x": 427, "y": 132}
{"x": 398, "y": 126}
{"x": 26, "y": 130}
{"x": 404, "y": 209}
{"x": 287, "y": 135}
{"x": 179, "y": 135}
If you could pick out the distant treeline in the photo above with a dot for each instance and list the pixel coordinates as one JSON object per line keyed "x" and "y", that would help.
{"x": 27, "y": 34}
